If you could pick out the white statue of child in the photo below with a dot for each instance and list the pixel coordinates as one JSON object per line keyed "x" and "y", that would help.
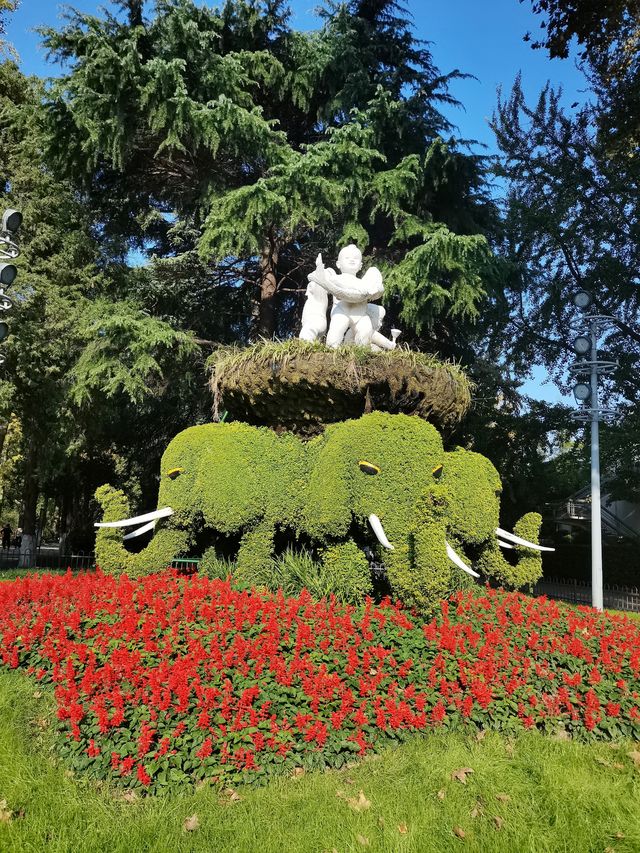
{"x": 351, "y": 315}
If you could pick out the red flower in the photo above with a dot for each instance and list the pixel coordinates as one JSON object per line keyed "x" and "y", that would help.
{"x": 206, "y": 749}
{"x": 438, "y": 713}
{"x": 143, "y": 776}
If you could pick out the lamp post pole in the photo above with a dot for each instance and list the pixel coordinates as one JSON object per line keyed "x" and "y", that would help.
{"x": 596, "y": 509}
{"x": 587, "y": 396}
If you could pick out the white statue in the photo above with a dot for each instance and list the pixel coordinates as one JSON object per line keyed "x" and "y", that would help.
{"x": 314, "y": 313}
{"x": 353, "y": 318}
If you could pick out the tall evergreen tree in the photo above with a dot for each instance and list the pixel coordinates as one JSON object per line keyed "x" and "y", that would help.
{"x": 274, "y": 145}
{"x": 572, "y": 222}
{"x": 54, "y": 355}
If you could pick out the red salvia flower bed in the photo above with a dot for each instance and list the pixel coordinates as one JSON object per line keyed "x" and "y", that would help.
{"x": 165, "y": 679}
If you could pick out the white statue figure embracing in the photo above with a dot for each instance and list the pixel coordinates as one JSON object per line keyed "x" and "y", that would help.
{"x": 353, "y": 318}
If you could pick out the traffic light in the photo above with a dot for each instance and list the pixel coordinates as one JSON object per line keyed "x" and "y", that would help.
{"x": 8, "y": 272}
{"x": 9, "y": 251}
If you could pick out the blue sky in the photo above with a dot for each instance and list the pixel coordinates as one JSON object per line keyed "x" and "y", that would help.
{"x": 482, "y": 39}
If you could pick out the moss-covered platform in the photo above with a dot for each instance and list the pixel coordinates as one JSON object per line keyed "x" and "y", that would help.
{"x": 300, "y": 387}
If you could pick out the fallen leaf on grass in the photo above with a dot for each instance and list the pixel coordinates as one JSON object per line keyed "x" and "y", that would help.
{"x": 362, "y": 839}
{"x": 619, "y": 835}
{"x": 441, "y": 794}
{"x": 481, "y": 735}
{"x": 618, "y": 765}
{"x": 358, "y": 804}
{"x": 634, "y": 755}
{"x": 129, "y": 796}
{"x": 5, "y": 812}
{"x": 609, "y": 850}
{"x": 191, "y": 823}
{"x": 403, "y": 828}
{"x": 461, "y": 774}
{"x": 509, "y": 748}
{"x": 503, "y": 798}
{"x": 230, "y": 796}
{"x": 499, "y": 821}
{"x": 459, "y": 831}
{"x": 602, "y": 761}
{"x": 561, "y": 734}
{"x": 298, "y": 772}
{"x": 37, "y": 694}
{"x": 477, "y": 810}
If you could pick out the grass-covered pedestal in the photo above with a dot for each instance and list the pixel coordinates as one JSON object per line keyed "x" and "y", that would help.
{"x": 301, "y": 387}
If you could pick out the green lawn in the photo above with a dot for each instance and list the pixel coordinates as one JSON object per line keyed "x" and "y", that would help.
{"x": 532, "y": 793}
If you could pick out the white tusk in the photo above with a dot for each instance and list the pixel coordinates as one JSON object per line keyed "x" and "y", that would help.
{"x": 139, "y": 519}
{"x": 459, "y": 562}
{"x": 501, "y": 544}
{"x": 140, "y": 530}
{"x": 378, "y": 529}
{"x": 513, "y": 538}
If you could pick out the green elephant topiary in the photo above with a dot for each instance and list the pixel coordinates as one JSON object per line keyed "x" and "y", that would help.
{"x": 382, "y": 481}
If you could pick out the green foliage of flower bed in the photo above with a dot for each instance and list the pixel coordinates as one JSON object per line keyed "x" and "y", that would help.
{"x": 166, "y": 680}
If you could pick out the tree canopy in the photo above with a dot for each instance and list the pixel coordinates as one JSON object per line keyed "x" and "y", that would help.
{"x": 260, "y": 146}
{"x": 608, "y": 37}
{"x": 181, "y": 174}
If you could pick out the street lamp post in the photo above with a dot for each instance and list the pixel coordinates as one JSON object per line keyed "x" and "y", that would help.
{"x": 587, "y": 396}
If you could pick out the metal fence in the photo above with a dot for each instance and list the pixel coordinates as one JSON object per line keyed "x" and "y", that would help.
{"x": 579, "y": 592}
{"x": 50, "y": 558}
{"x": 47, "y": 558}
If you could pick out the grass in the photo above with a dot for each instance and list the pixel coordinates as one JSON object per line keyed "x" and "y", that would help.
{"x": 11, "y": 574}
{"x": 531, "y": 794}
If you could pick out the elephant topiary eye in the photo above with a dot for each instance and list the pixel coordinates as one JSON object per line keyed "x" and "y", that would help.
{"x": 368, "y": 467}
{"x": 498, "y": 492}
{"x": 437, "y": 472}
{"x": 174, "y": 472}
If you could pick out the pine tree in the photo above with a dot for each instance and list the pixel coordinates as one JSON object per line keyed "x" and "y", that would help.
{"x": 60, "y": 303}
{"x": 274, "y": 145}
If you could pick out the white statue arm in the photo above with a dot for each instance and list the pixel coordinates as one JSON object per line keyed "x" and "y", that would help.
{"x": 364, "y": 289}
{"x": 373, "y": 280}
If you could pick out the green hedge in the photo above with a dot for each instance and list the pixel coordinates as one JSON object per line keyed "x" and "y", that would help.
{"x": 234, "y": 479}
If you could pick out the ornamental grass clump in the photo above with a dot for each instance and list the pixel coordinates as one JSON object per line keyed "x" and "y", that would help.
{"x": 165, "y": 679}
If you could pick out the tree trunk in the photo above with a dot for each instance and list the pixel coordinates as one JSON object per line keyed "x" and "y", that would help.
{"x": 44, "y": 518}
{"x": 29, "y": 508}
{"x": 268, "y": 291}
{"x": 66, "y": 504}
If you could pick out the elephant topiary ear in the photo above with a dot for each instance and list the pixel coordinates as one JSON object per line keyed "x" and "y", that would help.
{"x": 329, "y": 491}
{"x": 474, "y": 486}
